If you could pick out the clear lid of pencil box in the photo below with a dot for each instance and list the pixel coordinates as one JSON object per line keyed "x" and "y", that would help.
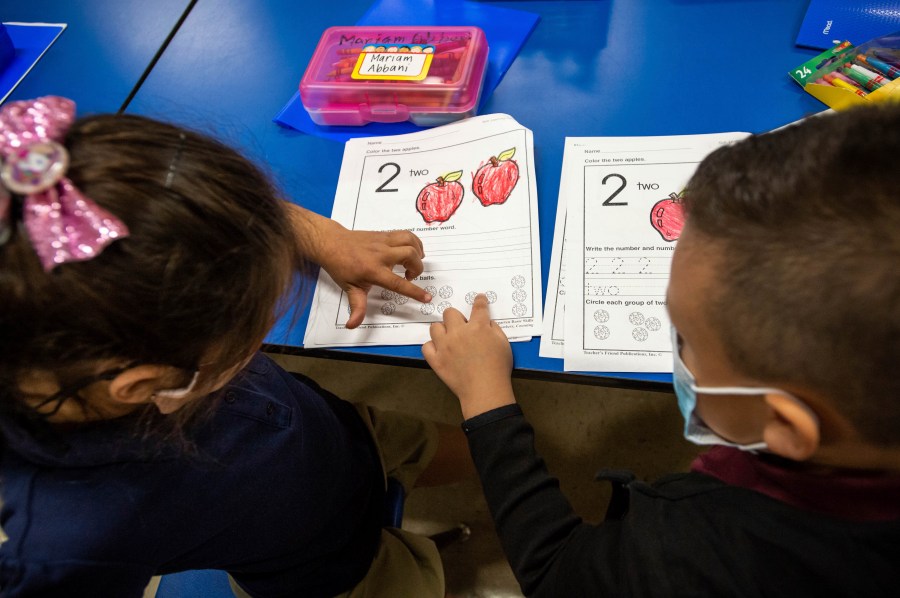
{"x": 428, "y": 75}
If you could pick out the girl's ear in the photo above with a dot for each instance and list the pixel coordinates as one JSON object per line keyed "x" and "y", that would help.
{"x": 791, "y": 429}
{"x": 137, "y": 385}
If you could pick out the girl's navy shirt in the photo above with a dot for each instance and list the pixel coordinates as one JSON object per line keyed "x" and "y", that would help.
{"x": 283, "y": 488}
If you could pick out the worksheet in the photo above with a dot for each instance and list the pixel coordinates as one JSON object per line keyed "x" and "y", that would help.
{"x": 554, "y": 333}
{"x": 623, "y": 218}
{"x": 468, "y": 191}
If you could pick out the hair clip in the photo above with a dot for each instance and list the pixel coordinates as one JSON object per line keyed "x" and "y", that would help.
{"x": 63, "y": 225}
{"x": 34, "y": 167}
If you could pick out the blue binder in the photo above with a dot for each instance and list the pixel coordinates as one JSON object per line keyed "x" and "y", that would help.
{"x": 829, "y": 22}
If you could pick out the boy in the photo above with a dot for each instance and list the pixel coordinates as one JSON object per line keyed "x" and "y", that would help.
{"x": 785, "y": 295}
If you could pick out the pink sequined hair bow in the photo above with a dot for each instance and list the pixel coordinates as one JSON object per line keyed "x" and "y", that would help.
{"x": 63, "y": 225}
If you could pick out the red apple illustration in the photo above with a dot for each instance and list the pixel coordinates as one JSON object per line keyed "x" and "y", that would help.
{"x": 667, "y": 216}
{"x": 438, "y": 201}
{"x": 495, "y": 180}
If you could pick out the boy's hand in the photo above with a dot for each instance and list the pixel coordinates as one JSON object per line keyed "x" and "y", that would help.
{"x": 473, "y": 358}
{"x": 359, "y": 260}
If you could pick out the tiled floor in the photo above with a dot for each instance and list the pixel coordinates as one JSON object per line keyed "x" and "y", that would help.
{"x": 579, "y": 430}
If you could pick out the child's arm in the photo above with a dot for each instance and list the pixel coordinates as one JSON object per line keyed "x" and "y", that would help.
{"x": 473, "y": 358}
{"x": 358, "y": 260}
{"x": 551, "y": 551}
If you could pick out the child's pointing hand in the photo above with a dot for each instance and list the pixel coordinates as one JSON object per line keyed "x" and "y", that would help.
{"x": 359, "y": 260}
{"x": 363, "y": 259}
{"x": 473, "y": 358}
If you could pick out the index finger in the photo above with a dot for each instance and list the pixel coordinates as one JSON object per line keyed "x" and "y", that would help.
{"x": 398, "y": 284}
{"x": 480, "y": 310}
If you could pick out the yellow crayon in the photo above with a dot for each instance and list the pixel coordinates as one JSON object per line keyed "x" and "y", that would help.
{"x": 837, "y": 82}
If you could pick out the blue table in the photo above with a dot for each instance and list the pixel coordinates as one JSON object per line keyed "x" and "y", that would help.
{"x": 640, "y": 67}
{"x": 103, "y": 52}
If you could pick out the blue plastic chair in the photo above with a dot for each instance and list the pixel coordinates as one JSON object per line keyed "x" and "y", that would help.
{"x": 208, "y": 583}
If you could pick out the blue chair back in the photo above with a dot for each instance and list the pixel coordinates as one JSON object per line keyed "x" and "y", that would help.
{"x": 207, "y": 583}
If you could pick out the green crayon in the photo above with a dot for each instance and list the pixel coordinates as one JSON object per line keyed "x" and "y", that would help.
{"x": 867, "y": 82}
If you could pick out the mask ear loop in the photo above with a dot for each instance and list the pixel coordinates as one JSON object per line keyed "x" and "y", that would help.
{"x": 762, "y": 390}
{"x": 179, "y": 393}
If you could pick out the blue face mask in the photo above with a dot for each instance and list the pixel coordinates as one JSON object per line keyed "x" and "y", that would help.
{"x": 686, "y": 389}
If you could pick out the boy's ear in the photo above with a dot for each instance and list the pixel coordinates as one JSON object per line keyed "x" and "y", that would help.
{"x": 792, "y": 429}
{"x": 136, "y": 385}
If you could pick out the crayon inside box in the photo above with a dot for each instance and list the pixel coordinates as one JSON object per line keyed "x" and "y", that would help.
{"x": 847, "y": 76}
{"x": 427, "y": 75}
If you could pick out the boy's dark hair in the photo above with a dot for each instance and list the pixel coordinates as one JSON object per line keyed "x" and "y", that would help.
{"x": 807, "y": 223}
{"x": 209, "y": 256}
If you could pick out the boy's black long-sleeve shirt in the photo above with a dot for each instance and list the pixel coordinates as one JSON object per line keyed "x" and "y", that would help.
{"x": 686, "y": 535}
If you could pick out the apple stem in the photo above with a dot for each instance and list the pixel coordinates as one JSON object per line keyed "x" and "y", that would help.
{"x": 674, "y": 196}
{"x": 495, "y": 162}
{"x": 440, "y": 181}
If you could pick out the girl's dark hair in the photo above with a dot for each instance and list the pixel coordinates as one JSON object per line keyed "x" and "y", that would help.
{"x": 209, "y": 256}
{"x": 807, "y": 223}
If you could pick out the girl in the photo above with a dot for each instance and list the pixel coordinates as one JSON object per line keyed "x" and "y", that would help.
{"x": 141, "y": 266}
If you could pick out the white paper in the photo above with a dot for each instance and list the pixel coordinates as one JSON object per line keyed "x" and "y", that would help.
{"x": 390, "y": 183}
{"x": 620, "y": 249}
{"x": 554, "y": 333}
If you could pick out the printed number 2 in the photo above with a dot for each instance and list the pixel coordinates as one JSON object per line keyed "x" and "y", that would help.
{"x": 609, "y": 200}
{"x": 381, "y": 189}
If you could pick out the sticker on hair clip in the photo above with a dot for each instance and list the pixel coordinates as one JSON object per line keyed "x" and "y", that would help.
{"x": 35, "y": 167}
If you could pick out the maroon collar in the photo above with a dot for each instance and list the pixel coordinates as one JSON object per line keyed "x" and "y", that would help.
{"x": 849, "y": 494}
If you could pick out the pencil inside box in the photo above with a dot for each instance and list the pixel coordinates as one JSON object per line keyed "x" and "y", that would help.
{"x": 847, "y": 76}
{"x": 428, "y": 75}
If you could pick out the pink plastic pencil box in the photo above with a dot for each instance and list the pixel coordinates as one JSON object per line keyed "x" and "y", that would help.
{"x": 428, "y": 75}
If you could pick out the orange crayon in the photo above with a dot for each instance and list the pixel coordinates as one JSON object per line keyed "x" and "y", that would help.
{"x": 455, "y": 54}
{"x": 346, "y": 70}
{"x": 444, "y": 47}
{"x": 345, "y": 62}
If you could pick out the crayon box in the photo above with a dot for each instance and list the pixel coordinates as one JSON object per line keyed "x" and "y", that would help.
{"x": 427, "y": 75}
{"x": 848, "y": 75}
